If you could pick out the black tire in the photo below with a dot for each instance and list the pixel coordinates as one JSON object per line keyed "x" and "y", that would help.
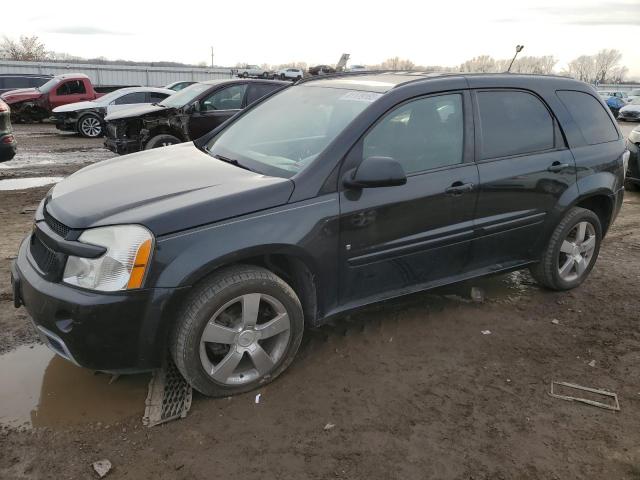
{"x": 85, "y": 130}
{"x": 207, "y": 299}
{"x": 265, "y": 75}
{"x": 245, "y": 74}
{"x": 632, "y": 186}
{"x": 546, "y": 272}
{"x": 161, "y": 140}
{"x": 283, "y": 76}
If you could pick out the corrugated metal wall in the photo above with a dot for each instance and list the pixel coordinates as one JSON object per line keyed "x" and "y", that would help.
{"x": 117, "y": 75}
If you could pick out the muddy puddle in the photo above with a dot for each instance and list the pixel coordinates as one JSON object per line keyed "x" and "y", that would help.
{"x": 496, "y": 287}
{"x": 24, "y": 183}
{"x": 40, "y": 389}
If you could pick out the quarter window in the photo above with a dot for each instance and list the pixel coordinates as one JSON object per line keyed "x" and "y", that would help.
{"x": 592, "y": 119}
{"x": 422, "y": 134}
{"x": 229, "y": 98}
{"x": 513, "y": 123}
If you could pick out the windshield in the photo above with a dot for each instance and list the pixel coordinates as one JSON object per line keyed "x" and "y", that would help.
{"x": 184, "y": 96}
{"x": 284, "y": 134}
{"x": 47, "y": 87}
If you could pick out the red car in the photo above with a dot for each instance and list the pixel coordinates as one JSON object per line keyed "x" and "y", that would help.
{"x": 36, "y": 104}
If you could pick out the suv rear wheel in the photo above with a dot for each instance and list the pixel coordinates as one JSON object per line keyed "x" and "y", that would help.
{"x": 162, "y": 140}
{"x": 240, "y": 329}
{"x": 571, "y": 252}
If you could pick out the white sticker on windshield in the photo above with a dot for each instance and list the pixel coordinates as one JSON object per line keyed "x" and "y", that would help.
{"x": 361, "y": 96}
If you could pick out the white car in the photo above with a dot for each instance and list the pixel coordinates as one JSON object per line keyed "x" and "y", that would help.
{"x": 357, "y": 68}
{"x": 289, "y": 74}
{"x": 633, "y": 94}
{"x": 253, "y": 71}
{"x": 631, "y": 111}
{"x": 87, "y": 118}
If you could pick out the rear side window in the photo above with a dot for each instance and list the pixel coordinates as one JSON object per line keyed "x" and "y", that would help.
{"x": 131, "y": 98}
{"x": 592, "y": 119}
{"x": 513, "y": 123}
{"x": 259, "y": 90}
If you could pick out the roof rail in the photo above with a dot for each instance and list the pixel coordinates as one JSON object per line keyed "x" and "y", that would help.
{"x": 352, "y": 74}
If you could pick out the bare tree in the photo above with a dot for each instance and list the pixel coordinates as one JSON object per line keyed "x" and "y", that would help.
{"x": 582, "y": 68}
{"x": 26, "y": 48}
{"x": 481, "y": 64}
{"x": 604, "y": 61}
{"x": 617, "y": 74}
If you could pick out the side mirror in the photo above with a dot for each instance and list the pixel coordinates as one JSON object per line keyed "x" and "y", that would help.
{"x": 376, "y": 172}
{"x": 194, "y": 107}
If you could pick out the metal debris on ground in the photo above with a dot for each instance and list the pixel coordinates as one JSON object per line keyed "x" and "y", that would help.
{"x": 592, "y": 363}
{"x": 258, "y": 397}
{"x": 604, "y": 393}
{"x": 328, "y": 426}
{"x": 486, "y": 332}
{"x": 555, "y": 321}
{"x": 477, "y": 294}
{"x": 102, "y": 467}
{"x": 169, "y": 395}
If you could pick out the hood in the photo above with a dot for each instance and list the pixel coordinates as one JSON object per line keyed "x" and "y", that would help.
{"x": 166, "y": 189}
{"x": 631, "y": 108}
{"x": 20, "y": 95}
{"x": 136, "y": 112}
{"x": 74, "y": 107}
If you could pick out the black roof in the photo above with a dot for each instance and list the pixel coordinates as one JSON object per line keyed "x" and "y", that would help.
{"x": 382, "y": 82}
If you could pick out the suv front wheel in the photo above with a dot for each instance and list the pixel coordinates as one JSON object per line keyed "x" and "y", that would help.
{"x": 240, "y": 329}
{"x": 572, "y": 251}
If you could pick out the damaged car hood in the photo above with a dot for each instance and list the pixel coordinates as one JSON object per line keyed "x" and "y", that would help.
{"x": 137, "y": 111}
{"x": 165, "y": 189}
{"x": 20, "y": 95}
{"x": 631, "y": 108}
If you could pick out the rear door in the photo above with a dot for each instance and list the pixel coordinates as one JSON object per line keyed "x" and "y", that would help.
{"x": 524, "y": 168}
{"x": 401, "y": 238}
{"x": 215, "y": 108}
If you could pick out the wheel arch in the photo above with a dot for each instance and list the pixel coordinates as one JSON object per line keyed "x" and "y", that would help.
{"x": 601, "y": 203}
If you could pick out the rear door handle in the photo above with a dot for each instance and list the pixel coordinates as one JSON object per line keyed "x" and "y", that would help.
{"x": 458, "y": 188}
{"x": 557, "y": 167}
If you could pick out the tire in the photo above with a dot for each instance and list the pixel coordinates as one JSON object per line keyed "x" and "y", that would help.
{"x": 229, "y": 367}
{"x": 632, "y": 186}
{"x": 245, "y": 75}
{"x": 265, "y": 75}
{"x": 161, "y": 140}
{"x": 283, "y": 76}
{"x": 89, "y": 126}
{"x": 564, "y": 244}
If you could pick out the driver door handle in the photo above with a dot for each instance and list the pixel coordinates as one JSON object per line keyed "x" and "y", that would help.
{"x": 458, "y": 188}
{"x": 557, "y": 167}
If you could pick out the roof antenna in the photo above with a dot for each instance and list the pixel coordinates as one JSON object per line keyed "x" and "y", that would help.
{"x": 518, "y": 50}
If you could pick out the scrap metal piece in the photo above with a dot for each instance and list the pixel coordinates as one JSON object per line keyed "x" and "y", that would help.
{"x": 169, "y": 395}
{"x": 615, "y": 407}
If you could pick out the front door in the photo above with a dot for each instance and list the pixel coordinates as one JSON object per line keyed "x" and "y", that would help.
{"x": 215, "y": 108}
{"x": 398, "y": 239}
{"x": 524, "y": 170}
{"x": 70, "y": 91}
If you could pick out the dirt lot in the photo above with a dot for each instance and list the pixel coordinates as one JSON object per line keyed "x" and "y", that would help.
{"x": 414, "y": 389}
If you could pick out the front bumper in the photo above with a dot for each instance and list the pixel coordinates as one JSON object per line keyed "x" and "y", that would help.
{"x": 122, "y": 146}
{"x": 631, "y": 116}
{"x": 115, "y": 332}
{"x": 65, "y": 122}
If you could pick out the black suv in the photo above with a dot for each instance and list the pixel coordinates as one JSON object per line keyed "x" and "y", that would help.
{"x": 329, "y": 195}
{"x": 186, "y": 115}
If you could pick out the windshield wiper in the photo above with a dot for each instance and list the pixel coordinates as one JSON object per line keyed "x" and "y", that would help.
{"x": 231, "y": 161}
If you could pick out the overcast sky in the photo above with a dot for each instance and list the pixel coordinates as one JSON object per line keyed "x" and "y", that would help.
{"x": 428, "y": 33}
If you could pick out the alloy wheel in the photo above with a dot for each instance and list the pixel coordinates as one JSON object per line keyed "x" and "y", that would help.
{"x": 576, "y": 251}
{"x": 91, "y": 127}
{"x": 245, "y": 339}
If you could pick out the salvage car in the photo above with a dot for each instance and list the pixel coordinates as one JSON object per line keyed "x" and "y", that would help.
{"x": 290, "y": 74}
{"x": 633, "y": 170}
{"x": 614, "y": 103}
{"x": 36, "y": 104}
{"x": 332, "y": 194}
{"x": 14, "y": 81}
{"x": 87, "y": 118}
{"x": 7, "y": 139}
{"x": 253, "y": 71}
{"x": 630, "y": 111}
{"x": 184, "y": 116}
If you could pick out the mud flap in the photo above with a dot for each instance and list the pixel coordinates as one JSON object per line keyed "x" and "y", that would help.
{"x": 169, "y": 396}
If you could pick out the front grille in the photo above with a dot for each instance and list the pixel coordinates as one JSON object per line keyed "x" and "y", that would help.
{"x": 55, "y": 225}
{"x": 46, "y": 259}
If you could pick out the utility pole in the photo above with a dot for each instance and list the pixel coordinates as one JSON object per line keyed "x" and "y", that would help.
{"x": 211, "y": 57}
{"x": 518, "y": 50}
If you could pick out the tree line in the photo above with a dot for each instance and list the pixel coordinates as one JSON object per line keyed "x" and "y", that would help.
{"x": 602, "y": 67}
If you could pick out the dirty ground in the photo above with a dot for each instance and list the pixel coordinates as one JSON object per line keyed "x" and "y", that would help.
{"x": 414, "y": 389}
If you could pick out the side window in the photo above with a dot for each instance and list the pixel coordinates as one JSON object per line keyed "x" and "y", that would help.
{"x": 136, "y": 97}
{"x": 421, "y": 135}
{"x": 72, "y": 87}
{"x": 156, "y": 97}
{"x": 592, "y": 119}
{"x": 513, "y": 123}
{"x": 259, "y": 90}
{"x": 229, "y": 98}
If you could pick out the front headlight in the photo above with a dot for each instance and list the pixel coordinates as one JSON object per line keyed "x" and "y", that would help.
{"x": 122, "y": 267}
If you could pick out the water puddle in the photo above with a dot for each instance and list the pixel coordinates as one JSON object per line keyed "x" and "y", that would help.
{"x": 495, "y": 287}
{"x": 24, "y": 183}
{"x": 41, "y": 389}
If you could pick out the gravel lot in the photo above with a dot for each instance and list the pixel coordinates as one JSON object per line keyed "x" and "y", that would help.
{"x": 413, "y": 388}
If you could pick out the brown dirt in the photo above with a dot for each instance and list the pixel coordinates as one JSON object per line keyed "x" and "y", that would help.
{"x": 414, "y": 389}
